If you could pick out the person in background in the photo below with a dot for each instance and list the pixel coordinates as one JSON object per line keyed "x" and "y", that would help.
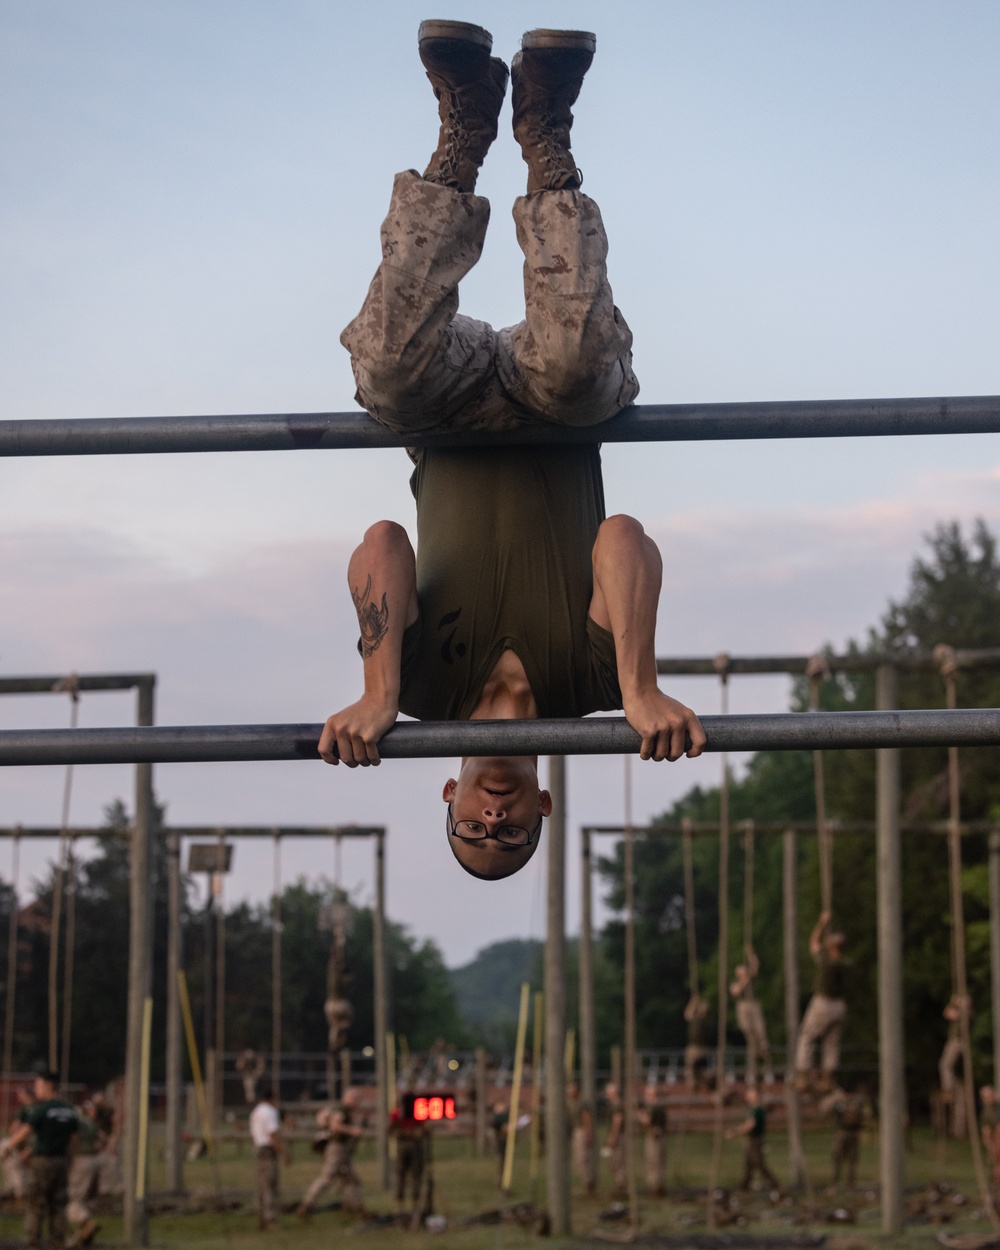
{"x": 848, "y": 1111}
{"x": 583, "y": 1141}
{"x": 412, "y": 1141}
{"x": 85, "y": 1174}
{"x": 500, "y": 1128}
{"x": 54, "y": 1125}
{"x": 339, "y": 1138}
{"x": 614, "y": 1144}
{"x": 653, "y": 1118}
{"x": 989, "y": 1130}
{"x": 269, "y": 1150}
{"x": 16, "y": 1176}
{"x": 695, "y": 1052}
{"x": 750, "y": 1018}
{"x": 754, "y": 1129}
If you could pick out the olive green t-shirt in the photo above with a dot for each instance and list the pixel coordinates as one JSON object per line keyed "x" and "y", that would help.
{"x": 504, "y": 543}
{"x": 831, "y": 976}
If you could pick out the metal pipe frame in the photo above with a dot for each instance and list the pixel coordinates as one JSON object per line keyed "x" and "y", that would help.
{"x": 794, "y": 665}
{"x": 784, "y": 731}
{"x": 640, "y": 423}
{"x": 202, "y": 831}
{"x": 710, "y": 828}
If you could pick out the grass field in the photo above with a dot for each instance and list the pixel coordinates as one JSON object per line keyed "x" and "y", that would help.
{"x": 466, "y": 1186}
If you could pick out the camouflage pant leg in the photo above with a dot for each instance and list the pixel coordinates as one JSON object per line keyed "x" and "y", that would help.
{"x": 82, "y": 1185}
{"x": 654, "y": 1157}
{"x": 584, "y": 1159}
{"x": 267, "y": 1184}
{"x": 821, "y": 1025}
{"x": 421, "y": 367}
{"x": 47, "y": 1197}
{"x": 750, "y": 1019}
{"x": 754, "y": 1161}
{"x": 845, "y": 1155}
{"x": 410, "y": 1157}
{"x": 331, "y": 1159}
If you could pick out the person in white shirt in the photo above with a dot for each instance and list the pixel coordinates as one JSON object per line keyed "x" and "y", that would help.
{"x": 265, "y": 1132}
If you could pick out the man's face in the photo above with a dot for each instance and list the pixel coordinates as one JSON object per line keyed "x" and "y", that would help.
{"x": 44, "y": 1089}
{"x": 496, "y": 791}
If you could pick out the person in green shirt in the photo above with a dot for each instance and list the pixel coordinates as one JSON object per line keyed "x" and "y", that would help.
{"x": 54, "y": 1125}
{"x": 754, "y": 1129}
{"x": 523, "y": 599}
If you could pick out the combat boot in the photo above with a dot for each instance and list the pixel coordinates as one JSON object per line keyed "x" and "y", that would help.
{"x": 470, "y": 86}
{"x": 547, "y": 75}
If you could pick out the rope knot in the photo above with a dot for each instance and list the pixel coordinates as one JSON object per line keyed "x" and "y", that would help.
{"x": 946, "y": 658}
{"x": 722, "y": 664}
{"x": 69, "y": 685}
{"x": 818, "y": 667}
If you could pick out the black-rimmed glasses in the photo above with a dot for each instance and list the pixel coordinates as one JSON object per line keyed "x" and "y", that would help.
{"x": 476, "y": 831}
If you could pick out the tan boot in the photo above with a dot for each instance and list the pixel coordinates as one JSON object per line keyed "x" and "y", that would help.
{"x": 547, "y": 75}
{"x": 470, "y": 86}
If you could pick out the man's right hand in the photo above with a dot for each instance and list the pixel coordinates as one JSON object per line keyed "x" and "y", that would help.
{"x": 351, "y": 736}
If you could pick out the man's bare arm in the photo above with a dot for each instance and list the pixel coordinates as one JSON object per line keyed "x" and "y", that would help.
{"x": 627, "y": 574}
{"x": 382, "y": 580}
{"x": 816, "y": 937}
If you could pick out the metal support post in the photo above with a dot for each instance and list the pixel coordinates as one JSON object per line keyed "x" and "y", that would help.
{"x": 588, "y": 1033}
{"x": 556, "y": 1162}
{"x": 381, "y": 1018}
{"x": 139, "y": 979}
{"x": 481, "y": 1101}
{"x": 175, "y": 1090}
{"x": 995, "y": 947}
{"x": 789, "y": 889}
{"x": 892, "y": 1095}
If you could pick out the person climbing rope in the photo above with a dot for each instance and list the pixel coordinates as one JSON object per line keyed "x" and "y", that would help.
{"x": 953, "y": 1100}
{"x": 750, "y": 1017}
{"x": 695, "y": 1052}
{"x": 523, "y": 600}
{"x": 823, "y": 1022}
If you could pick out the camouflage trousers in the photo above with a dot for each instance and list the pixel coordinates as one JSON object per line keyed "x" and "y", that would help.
{"x": 750, "y": 1019}
{"x": 584, "y": 1158}
{"x": 421, "y": 367}
{"x": 47, "y": 1192}
{"x": 338, "y": 1170}
{"x": 267, "y": 1185}
{"x": 846, "y": 1143}
{"x": 821, "y": 1026}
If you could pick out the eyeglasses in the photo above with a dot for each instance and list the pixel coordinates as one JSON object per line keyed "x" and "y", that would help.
{"x": 476, "y": 831}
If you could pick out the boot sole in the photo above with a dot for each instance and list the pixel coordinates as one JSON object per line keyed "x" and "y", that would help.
{"x": 466, "y": 32}
{"x": 581, "y": 40}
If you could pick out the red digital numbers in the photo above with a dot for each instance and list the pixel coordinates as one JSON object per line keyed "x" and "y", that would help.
{"x": 435, "y": 1107}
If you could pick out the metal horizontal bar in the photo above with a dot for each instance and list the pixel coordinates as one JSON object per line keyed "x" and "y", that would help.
{"x": 84, "y": 681}
{"x": 202, "y": 831}
{"x": 786, "y": 731}
{"x": 910, "y": 661}
{"x": 770, "y": 828}
{"x": 640, "y": 423}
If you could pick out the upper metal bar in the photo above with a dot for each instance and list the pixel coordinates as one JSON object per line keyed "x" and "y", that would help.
{"x": 909, "y": 661}
{"x": 201, "y": 831}
{"x": 710, "y": 828}
{"x": 81, "y": 681}
{"x": 640, "y": 423}
{"x": 786, "y": 731}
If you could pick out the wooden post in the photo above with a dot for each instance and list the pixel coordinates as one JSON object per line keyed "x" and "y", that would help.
{"x": 219, "y": 1089}
{"x": 556, "y": 1161}
{"x": 139, "y": 978}
{"x": 481, "y": 1108}
{"x": 276, "y": 1042}
{"x": 892, "y": 1094}
{"x": 628, "y": 1089}
{"x": 588, "y": 1037}
{"x": 789, "y": 883}
{"x": 995, "y": 948}
{"x": 175, "y": 1089}
{"x": 722, "y": 987}
{"x": 8, "y": 1012}
{"x": 535, "y": 1137}
{"x": 381, "y": 1017}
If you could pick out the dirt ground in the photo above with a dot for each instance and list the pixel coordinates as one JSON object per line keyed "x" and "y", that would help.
{"x": 218, "y": 1211}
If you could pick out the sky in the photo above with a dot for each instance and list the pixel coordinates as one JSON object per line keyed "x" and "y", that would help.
{"x": 801, "y": 202}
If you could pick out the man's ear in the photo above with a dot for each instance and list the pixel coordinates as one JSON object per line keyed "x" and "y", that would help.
{"x": 451, "y": 785}
{"x": 545, "y": 802}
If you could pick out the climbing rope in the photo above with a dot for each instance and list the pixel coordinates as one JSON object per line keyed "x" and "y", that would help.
{"x": 817, "y": 670}
{"x": 947, "y": 662}
{"x": 71, "y": 686}
{"x": 748, "y": 848}
{"x": 721, "y": 663}
{"x": 689, "y": 915}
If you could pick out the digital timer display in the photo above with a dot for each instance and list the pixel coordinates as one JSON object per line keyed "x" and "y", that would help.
{"x": 422, "y": 1107}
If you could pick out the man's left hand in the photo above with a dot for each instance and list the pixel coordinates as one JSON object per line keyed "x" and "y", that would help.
{"x": 665, "y": 725}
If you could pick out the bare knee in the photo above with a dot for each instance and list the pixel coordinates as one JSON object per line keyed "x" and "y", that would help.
{"x": 622, "y": 535}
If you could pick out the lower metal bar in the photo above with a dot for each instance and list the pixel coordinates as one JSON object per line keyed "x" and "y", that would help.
{"x": 785, "y": 731}
{"x": 640, "y": 423}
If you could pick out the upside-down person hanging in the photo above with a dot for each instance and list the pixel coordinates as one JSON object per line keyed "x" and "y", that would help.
{"x": 523, "y": 600}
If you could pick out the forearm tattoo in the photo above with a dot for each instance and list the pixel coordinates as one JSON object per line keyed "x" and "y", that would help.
{"x": 372, "y": 618}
